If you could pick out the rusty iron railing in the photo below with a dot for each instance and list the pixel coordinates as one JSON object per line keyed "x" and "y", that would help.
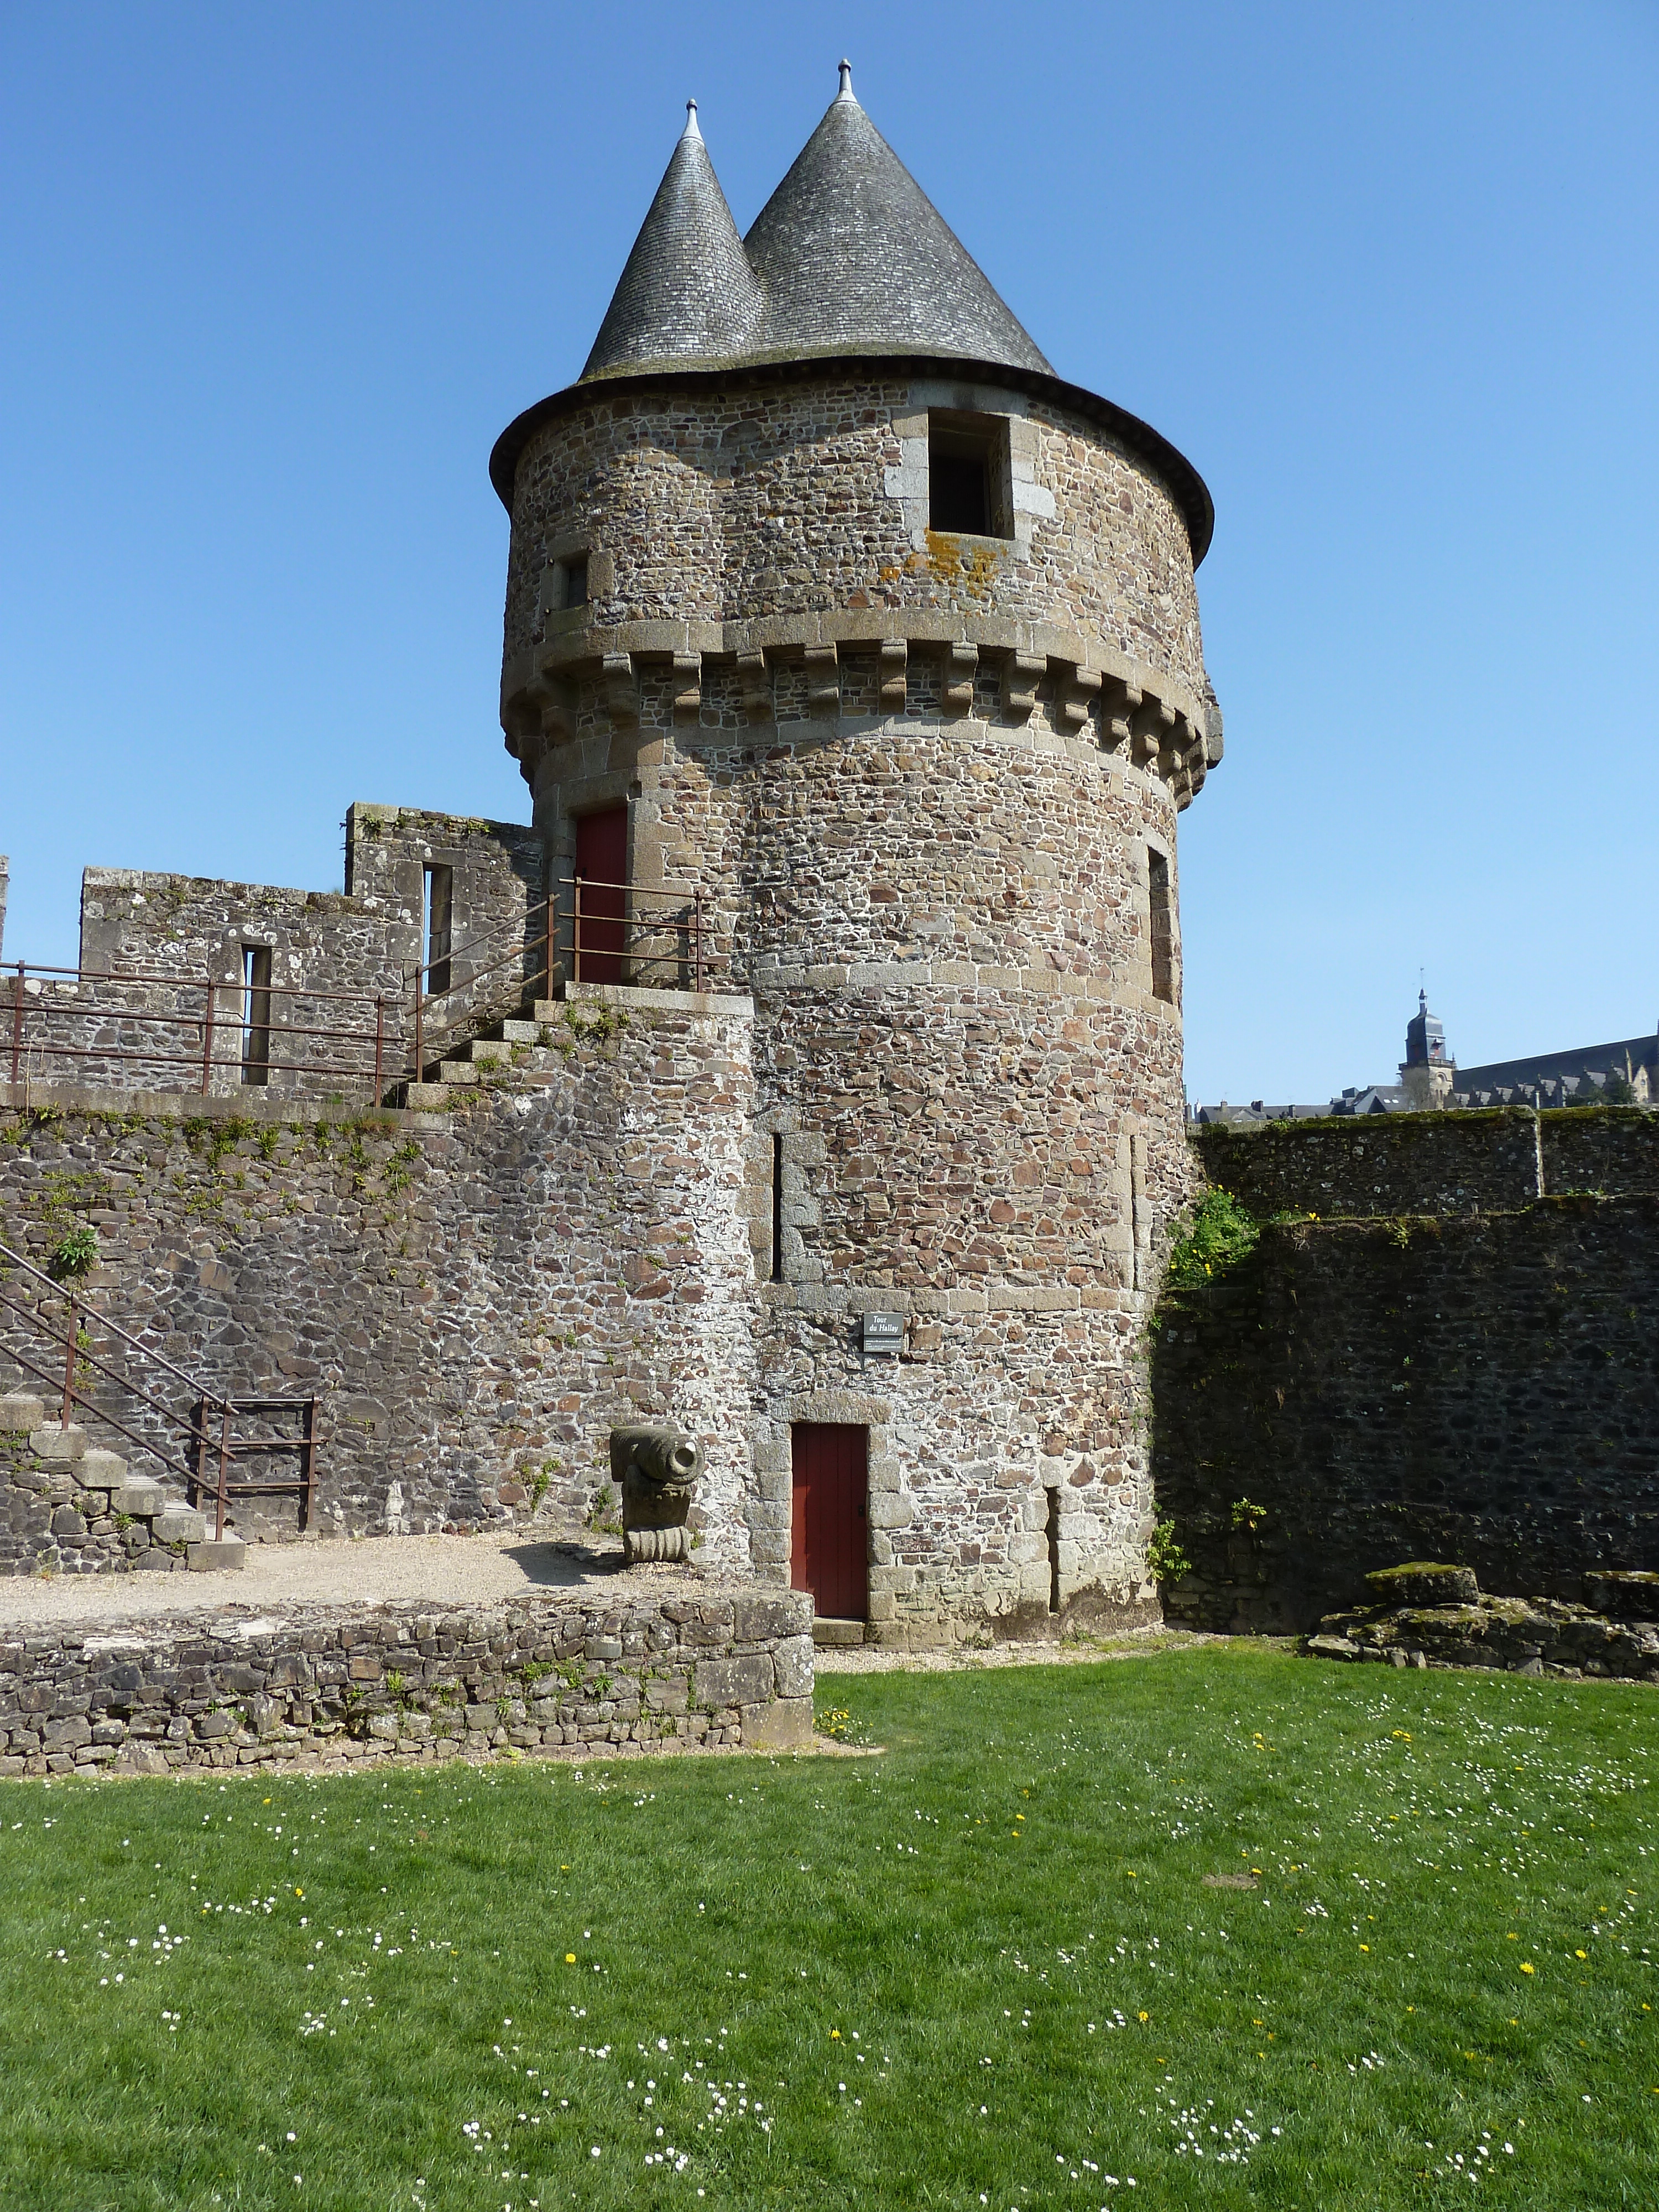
{"x": 590, "y": 931}
{"x": 58, "y": 999}
{"x": 587, "y": 930}
{"x": 208, "y": 1429}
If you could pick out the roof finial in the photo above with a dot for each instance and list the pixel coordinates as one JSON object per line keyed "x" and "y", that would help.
{"x": 690, "y": 130}
{"x": 846, "y": 92}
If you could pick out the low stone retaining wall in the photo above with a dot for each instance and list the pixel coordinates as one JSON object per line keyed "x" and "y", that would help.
{"x": 324, "y": 1687}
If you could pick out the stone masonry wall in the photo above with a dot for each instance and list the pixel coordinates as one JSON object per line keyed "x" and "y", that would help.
{"x": 588, "y": 1673}
{"x": 475, "y": 1298}
{"x": 737, "y": 504}
{"x": 1467, "y": 1373}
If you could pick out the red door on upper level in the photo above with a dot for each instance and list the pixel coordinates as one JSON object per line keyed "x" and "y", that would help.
{"x": 829, "y": 1541}
{"x": 601, "y": 898}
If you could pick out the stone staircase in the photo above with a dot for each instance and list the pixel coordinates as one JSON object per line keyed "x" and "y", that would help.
{"x": 69, "y": 1507}
{"x": 514, "y": 1046}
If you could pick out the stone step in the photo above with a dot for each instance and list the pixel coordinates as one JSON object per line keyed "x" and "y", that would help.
{"x": 546, "y": 1010}
{"x": 178, "y": 1524}
{"x": 57, "y": 1444}
{"x": 832, "y": 1635}
{"x": 456, "y": 1070}
{"x": 97, "y": 1469}
{"x": 139, "y": 1498}
{"x": 487, "y": 1052}
{"x": 21, "y": 1411}
{"x": 209, "y": 1558}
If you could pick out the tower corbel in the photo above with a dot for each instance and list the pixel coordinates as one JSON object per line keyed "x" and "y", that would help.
{"x": 688, "y": 687}
{"x": 1022, "y": 672}
{"x": 961, "y": 667}
{"x": 894, "y": 674}
{"x": 1078, "y": 688}
{"x": 755, "y": 685}
{"x": 622, "y": 691}
{"x": 823, "y": 682}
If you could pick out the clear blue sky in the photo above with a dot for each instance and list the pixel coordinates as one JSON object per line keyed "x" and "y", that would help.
{"x": 274, "y": 279}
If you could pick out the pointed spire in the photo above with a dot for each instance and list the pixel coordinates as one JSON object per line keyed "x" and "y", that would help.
{"x": 855, "y": 258}
{"x": 687, "y": 293}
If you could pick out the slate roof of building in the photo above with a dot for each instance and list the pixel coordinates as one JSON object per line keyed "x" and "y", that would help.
{"x": 687, "y": 293}
{"x": 1582, "y": 1062}
{"x": 848, "y": 255}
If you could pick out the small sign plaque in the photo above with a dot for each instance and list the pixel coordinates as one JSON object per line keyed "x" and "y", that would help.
{"x": 883, "y": 1332}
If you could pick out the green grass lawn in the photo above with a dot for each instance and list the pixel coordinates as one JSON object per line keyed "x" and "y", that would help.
{"x": 983, "y": 1969}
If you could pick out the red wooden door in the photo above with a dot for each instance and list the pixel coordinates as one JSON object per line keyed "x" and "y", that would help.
{"x": 829, "y": 1545}
{"x": 601, "y": 899}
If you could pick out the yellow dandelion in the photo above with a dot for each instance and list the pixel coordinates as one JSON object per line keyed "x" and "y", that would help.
{"x": 1525, "y": 1967}
{"x": 1581, "y": 1954}
{"x": 1143, "y": 2016}
{"x": 570, "y": 1958}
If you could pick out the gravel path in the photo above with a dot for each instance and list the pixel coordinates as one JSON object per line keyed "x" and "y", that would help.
{"x": 472, "y": 1570}
{"x": 958, "y": 1659}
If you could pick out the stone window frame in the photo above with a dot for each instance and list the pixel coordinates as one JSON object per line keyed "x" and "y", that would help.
{"x": 1029, "y": 501}
{"x": 1152, "y": 842}
{"x": 886, "y": 1507}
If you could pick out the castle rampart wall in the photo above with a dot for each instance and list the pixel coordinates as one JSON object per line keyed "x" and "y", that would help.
{"x": 477, "y": 1297}
{"x": 176, "y": 932}
{"x": 1449, "y": 1363}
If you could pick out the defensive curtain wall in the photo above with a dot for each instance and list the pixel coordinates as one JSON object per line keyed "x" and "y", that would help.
{"x": 1441, "y": 1347}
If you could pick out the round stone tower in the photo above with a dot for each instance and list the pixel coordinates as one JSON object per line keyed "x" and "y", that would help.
{"x": 886, "y": 639}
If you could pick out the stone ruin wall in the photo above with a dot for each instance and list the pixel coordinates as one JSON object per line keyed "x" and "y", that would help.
{"x": 475, "y": 1298}
{"x": 1453, "y": 1361}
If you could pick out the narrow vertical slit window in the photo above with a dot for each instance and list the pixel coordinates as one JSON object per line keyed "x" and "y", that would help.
{"x": 1053, "y": 1550}
{"x": 256, "y": 1014}
{"x": 1161, "y": 926}
{"x": 439, "y": 903}
{"x": 777, "y": 1209}
{"x": 573, "y": 580}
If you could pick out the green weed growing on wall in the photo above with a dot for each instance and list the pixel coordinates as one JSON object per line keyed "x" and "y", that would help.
{"x": 1222, "y": 1234}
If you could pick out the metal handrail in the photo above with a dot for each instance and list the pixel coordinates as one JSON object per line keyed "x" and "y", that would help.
{"x": 76, "y": 1354}
{"x": 686, "y": 905}
{"x": 206, "y": 1022}
{"x": 551, "y": 932}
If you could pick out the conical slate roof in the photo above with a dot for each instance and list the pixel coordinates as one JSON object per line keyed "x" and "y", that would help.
{"x": 856, "y": 259}
{"x": 686, "y": 294}
{"x": 849, "y": 255}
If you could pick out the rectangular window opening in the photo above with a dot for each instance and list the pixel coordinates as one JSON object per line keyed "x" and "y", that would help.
{"x": 777, "y": 1209}
{"x": 573, "y": 580}
{"x": 968, "y": 492}
{"x": 256, "y": 1014}
{"x": 439, "y": 906}
{"x": 1162, "y": 925}
{"x": 1053, "y": 1550}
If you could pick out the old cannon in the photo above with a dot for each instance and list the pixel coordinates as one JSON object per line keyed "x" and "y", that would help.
{"x": 656, "y": 1470}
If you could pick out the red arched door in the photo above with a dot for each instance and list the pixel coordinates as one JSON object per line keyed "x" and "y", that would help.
{"x": 601, "y": 898}
{"x": 829, "y": 1541}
